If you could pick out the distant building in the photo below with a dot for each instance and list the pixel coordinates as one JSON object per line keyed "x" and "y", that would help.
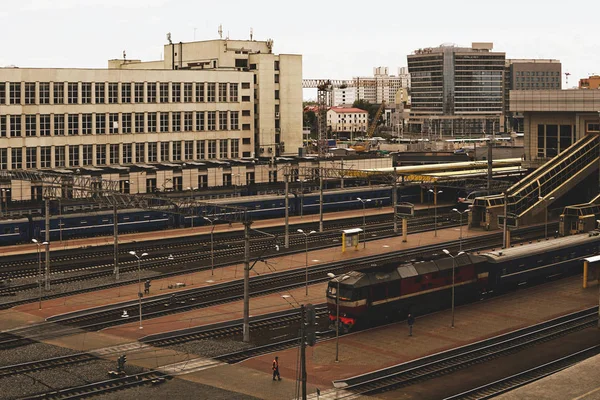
{"x": 374, "y": 89}
{"x": 347, "y": 120}
{"x": 593, "y": 82}
{"x": 346, "y": 96}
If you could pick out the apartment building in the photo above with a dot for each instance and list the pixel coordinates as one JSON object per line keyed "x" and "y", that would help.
{"x": 593, "y": 82}
{"x": 347, "y": 120}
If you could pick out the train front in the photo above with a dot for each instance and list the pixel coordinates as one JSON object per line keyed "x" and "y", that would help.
{"x": 344, "y": 300}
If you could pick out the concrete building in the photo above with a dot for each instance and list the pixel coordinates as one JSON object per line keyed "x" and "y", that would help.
{"x": 456, "y": 90}
{"x": 347, "y": 120}
{"x": 593, "y": 82}
{"x": 381, "y": 86}
{"x": 346, "y": 96}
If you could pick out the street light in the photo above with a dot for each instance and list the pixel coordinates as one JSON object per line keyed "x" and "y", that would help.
{"x": 364, "y": 202}
{"x": 39, "y": 270}
{"x": 306, "y": 235}
{"x": 460, "y": 237}
{"x": 453, "y": 265}
{"x": 546, "y": 215}
{"x": 212, "y": 253}
{"x": 337, "y": 314}
{"x": 139, "y": 260}
{"x": 435, "y": 210}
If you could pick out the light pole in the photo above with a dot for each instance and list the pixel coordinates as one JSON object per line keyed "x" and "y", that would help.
{"x": 212, "y": 253}
{"x": 546, "y": 214}
{"x": 364, "y": 202}
{"x": 460, "y": 237}
{"x": 337, "y": 313}
{"x": 435, "y": 210}
{"x": 306, "y": 235}
{"x": 453, "y": 266}
{"x": 39, "y": 271}
{"x": 139, "y": 260}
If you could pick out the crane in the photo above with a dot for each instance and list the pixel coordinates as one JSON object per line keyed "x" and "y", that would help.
{"x": 365, "y": 145}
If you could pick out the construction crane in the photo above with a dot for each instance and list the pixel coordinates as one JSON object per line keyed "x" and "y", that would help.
{"x": 365, "y": 145}
{"x": 325, "y": 100}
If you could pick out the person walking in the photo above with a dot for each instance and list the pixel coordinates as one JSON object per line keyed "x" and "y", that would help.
{"x": 276, "y": 368}
{"x": 411, "y": 321}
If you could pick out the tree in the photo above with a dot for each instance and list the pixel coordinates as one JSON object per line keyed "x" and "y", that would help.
{"x": 370, "y": 108}
{"x": 310, "y": 120}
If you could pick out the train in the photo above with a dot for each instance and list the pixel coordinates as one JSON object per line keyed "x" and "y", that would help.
{"x": 97, "y": 223}
{"x": 389, "y": 293}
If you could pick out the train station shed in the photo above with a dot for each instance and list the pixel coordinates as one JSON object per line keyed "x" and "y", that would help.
{"x": 591, "y": 269}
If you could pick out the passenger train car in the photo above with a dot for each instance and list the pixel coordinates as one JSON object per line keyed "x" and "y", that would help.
{"x": 390, "y": 292}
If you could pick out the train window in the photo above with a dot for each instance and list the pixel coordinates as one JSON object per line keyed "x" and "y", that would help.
{"x": 16, "y": 229}
{"x": 345, "y": 293}
{"x": 332, "y": 290}
{"x": 125, "y": 218}
{"x": 147, "y": 216}
{"x": 105, "y": 220}
{"x": 378, "y": 292}
{"x": 83, "y": 222}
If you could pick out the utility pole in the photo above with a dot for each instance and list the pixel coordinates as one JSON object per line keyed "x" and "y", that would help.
{"x": 505, "y": 227}
{"x": 47, "y": 239}
{"x": 342, "y": 178}
{"x": 490, "y": 163}
{"x": 287, "y": 212}
{"x": 320, "y": 200}
{"x": 116, "y": 241}
{"x": 303, "y": 350}
{"x": 395, "y": 200}
{"x": 246, "y": 327}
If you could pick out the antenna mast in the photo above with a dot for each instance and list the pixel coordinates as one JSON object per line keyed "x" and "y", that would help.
{"x": 220, "y": 31}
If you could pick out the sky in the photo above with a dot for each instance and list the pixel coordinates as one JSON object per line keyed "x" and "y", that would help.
{"x": 338, "y": 40}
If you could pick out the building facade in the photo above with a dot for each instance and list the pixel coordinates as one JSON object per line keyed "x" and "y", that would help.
{"x": 456, "y": 90}
{"x": 346, "y": 96}
{"x": 348, "y": 120}
{"x": 593, "y": 82}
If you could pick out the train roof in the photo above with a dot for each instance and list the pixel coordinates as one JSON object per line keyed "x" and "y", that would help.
{"x": 391, "y": 272}
{"x": 542, "y": 246}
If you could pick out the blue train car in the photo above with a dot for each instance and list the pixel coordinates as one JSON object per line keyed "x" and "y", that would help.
{"x": 13, "y": 231}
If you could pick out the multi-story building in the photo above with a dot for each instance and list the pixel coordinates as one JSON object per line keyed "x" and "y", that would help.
{"x": 456, "y": 90}
{"x": 347, "y": 120}
{"x": 593, "y": 82}
{"x": 346, "y": 96}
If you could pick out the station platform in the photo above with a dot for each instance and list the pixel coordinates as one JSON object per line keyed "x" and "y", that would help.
{"x": 205, "y": 230}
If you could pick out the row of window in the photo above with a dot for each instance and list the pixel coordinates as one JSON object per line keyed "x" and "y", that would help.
{"x": 538, "y": 73}
{"x": 26, "y": 93}
{"x": 537, "y": 85}
{"x": 30, "y": 125}
{"x": 120, "y": 153}
{"x": 548, "y": 79}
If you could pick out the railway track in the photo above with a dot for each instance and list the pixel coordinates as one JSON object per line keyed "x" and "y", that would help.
{"x": 447, "y": 362}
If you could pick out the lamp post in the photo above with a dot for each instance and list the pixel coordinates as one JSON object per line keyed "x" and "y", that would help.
{"x": 337, "y": 313}
{"x": 435, "y": 210}
{"x": 212, "y": 253}
{"x": 546, "y": 214}
{"x": 39, "y": 271}
{"x": 460, "y": 237}
{"x": 364, "y": 202}
{"x": 139, "y": 260}
{"x": 453, "y": 267}
{"x": 306, "y": 235}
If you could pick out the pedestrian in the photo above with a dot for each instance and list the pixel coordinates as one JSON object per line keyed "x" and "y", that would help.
{"x": 147, "y": 286}
{"x": 276, "y": 368}
{"x": 411, "y": 321}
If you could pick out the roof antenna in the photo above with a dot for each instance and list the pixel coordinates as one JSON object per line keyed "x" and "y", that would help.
{"x": 124, "y": 56}
{"x": 251, "y": 33}
{"x": 220, "y": 31}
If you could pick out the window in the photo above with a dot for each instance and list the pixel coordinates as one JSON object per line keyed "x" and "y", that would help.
{"x": 2, "y": 93}
{"x": 100, "y": 93}
{"x": 17, "y": 158}
{"x": 114, "y": 153}
{"x": 176, "y": 151}
{"x": 74, "y": 156}
{"x": 541, "y": 135}
{"x": 164, "y": 92}
{"x": 187, "y": 92}
{"x": 245, "y": 113}
{"x": 164, "y": 151}
{"x": 59, "y": 156}
{"x": 59, "y": 125}
{"x": 30, "y": 125}
{"x": 152, "y": 152}
{"x": 139, "y": 92}
{"x": 164, "y": 122}
{"x": 73, "y": 124}
{"x": 127, "y": 153}
{"x": 31, "y": 157}
{"x": 277, "y": 95}
{"x": 3, "y": 126}
{"x": 176, "y": 92}
{"x": 234, "y": 120}
{"x": 222, "y": 92}
{"x": 187, "y": 121}
{"x": 113, "y": 123}
{"x": 125, "y": 92}
{"x": 140, "y": 153}
{"x": 176, "y": 122}
{"x": 151, "y": 92}
{"x": 233, "y": 92}
{"x": 200, "y": 121}
{"x": 222, "y": 120}
{"x": 29, "y": 92}
{"x": 212, "y": 120}
{"x": 200, "y": 92}
{"x": 593, "y": 127}
{"x": 245, "y": 127}
{"x": 100, "y": 154}
{"x": 551, "y": 140}
{"x": 15, "y": 93}
{"x": 15, "y": 126}
{"x": 189, "y": 149}
{"x": 126, "y": 123}
{"x": 3, "y": 159}
{"x": 87, "y": 152}
{"x": 245, "y": 98}
{"x": 212, "y": 87}
{"x": 202, "y": 181}
{"x": 152, "y": 122}
{"x": 212, "y": 149}
{"x": 201, "y": 149}
{"x": 235, "y": 148}
{"x": 245, "y": 85}
{"x": 276, "y": 65}
{"x": 565, "y": 139}
{"x": 86, "y": 124}
{"x": 223, "y": 148}
{"x": 113, "y": 93}
{"x": 73, "y": 92}
{"x": 45, "y": 125}
{"x": 139, "y": 122}
{"x": 86, "y": 93}
{"x": 59, "y": 93}
{"x": 100, "y": 124}
{"x": 45, "y": 157}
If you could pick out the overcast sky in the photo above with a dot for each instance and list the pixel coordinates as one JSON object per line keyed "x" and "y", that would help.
{"x": 338, "y": 39}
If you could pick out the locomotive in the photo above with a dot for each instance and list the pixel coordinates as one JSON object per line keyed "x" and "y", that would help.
{"x": 390, "y": 292}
